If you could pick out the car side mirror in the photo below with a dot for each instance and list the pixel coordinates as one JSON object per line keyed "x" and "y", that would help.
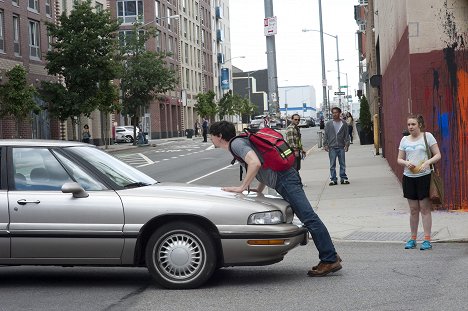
{"x": 76, "y": 189}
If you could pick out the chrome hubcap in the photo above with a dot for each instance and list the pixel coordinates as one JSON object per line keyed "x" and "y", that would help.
{"x": 180, "y": 256}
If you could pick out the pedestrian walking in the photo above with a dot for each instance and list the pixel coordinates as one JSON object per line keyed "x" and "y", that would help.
{"x": 86, "y": 135}
{"x": 293, "y": 137}
{"x": 197, "y": 128}
{"x": 287, "y": 184}
{"x": 350, "y": 122}
{"x": 336, "y": 143}
{"x": 412, "y": 154}
{"x": 205, "y": 130}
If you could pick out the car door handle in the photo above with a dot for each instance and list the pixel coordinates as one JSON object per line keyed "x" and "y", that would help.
{"x": 24, "y": 202}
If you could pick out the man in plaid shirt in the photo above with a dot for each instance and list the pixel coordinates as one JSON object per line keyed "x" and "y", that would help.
{"x": 293, "y": 137}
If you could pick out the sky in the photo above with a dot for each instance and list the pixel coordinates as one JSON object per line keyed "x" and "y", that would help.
{"x": 298, "y": 57}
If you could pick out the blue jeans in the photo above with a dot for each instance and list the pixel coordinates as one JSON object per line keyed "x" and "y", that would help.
{"x": 333, "y": 153}
{"x": 289, "y": 186}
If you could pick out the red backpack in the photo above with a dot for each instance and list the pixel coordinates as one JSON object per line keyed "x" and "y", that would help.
{"x": 271, "y": 148}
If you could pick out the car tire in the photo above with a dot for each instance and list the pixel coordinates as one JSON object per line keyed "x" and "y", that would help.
{"x": 180, "y": 255}
{"x": 128, "y": 139}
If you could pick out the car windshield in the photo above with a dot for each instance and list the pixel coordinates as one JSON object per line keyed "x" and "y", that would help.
{"x": 120, "y": 173}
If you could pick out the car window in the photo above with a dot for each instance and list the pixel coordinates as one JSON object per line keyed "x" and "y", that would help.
{"x": 118, "y": 172}
{"x": 37, "y": 169}
{"x": 80, "y": 176}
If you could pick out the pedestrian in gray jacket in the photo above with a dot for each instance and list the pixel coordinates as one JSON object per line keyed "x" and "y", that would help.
{"x": 336, "y": 143}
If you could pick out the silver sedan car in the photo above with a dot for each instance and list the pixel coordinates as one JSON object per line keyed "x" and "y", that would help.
{"x": 69, "y": 203}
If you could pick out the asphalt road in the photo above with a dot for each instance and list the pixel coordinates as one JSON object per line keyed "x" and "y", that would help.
{"x": 375, "y": 276}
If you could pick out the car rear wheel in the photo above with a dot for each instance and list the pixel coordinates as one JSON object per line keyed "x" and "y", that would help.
{"x": 180, "y": 255}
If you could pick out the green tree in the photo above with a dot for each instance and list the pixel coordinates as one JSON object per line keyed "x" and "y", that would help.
{"x": 205, "y": 105}
{"x": 226, "y": 105}
{"x": 146, "y": 74}
{"x": 364, "y": 114}
{"x": 107, "y": 102}
{"x": 83, "y": 53}
{"x": 17, "y": 97}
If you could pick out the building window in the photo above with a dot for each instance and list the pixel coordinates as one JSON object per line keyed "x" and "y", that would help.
{"x": 157, "y": 16}
{"x": 64, "y": 5}
{"x": 34, "y": 44}
{"x": 99, "y": 7}
{"x": 125, "y": 35}
{"x": 169, "y": 45}
{"x": 48, "y": 8}
{"x": 33, "y": 5}
{"x": 168, "y": 13}
{"x": 16, "y": 35}
{"x": 15, "y": 2}
{"x": 2, "y": 34}
{"x": 129, "y": 11}
{"x": 186, "y": 53}
{"x": 158, "y": 43}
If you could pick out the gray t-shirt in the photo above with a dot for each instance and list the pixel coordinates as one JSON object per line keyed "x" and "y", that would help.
{"x": 241, "y": 146}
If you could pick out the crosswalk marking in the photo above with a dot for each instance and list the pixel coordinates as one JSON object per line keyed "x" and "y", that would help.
{"x": 141, "y": 160}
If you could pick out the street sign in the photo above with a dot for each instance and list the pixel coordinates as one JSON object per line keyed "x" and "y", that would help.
{"x": 340, "y": 93}
{"x": 344, "y": 86}
{"x": 269, "y": 26}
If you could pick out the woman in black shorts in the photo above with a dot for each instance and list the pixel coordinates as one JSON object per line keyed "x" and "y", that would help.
{"x": 417, "y": 176}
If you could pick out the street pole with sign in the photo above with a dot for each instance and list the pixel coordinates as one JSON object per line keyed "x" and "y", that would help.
{"x": 270, "y": 29}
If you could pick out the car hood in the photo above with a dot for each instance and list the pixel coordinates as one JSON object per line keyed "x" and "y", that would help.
{"x": 210, "y": 202}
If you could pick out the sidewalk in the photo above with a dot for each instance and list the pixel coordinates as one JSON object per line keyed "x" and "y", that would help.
{"x": 371, "y": 207}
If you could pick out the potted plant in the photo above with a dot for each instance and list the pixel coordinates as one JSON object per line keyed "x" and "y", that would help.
{"x": 364, "y": 126}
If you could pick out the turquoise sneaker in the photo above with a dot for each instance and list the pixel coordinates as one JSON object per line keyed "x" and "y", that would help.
{"x": 410, "y": 244}
{"x": 426, "y": 245}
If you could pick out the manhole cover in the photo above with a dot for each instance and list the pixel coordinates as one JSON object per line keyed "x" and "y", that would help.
{"x": 383, "y": 236}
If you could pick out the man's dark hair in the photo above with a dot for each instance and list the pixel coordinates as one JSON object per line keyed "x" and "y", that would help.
{"x": 225, "y": 128}
{"x": 296, "y": 114}
{"x": 337, "y": 108}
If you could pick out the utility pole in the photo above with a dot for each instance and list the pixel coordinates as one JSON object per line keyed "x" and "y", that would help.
{"x": 324, "y": 77}
{"x": 273, "y": 107}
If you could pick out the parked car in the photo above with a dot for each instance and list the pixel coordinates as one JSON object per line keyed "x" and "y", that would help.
{"x": 125, "y": 133}
{"x": 256, "y": 124}
{"x": 306, "y": 122}
{"x": 72, "y": 204}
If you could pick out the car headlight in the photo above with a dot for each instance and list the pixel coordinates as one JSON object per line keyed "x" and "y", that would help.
{"x": 266, "y": 218}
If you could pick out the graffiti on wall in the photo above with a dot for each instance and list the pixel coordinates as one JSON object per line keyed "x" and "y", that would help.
{"x": 450, "y": 110}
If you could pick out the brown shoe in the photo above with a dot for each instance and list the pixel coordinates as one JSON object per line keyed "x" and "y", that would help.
{"x": 324, "y": 268}
{"x": 337, "y": 257}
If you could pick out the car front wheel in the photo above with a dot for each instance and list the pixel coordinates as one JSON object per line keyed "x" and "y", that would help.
{"x": 128, "y": 139}
{"x": 180, "y": 255}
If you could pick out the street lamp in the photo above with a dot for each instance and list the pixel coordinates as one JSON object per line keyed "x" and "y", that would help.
{"x": 158, "y": 19}
{"x": 228, "y": 77}
{"x": 324, "y": 83}
{"x": 225, "y": 61}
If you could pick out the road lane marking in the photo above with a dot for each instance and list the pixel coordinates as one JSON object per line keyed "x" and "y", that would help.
{"x": 214, "y": 172}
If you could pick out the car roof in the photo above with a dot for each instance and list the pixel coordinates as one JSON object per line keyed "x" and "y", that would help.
{"x": 40, "y": 143}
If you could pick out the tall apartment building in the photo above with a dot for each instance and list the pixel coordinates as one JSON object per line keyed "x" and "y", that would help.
{"x": 191, "y": 35}
{"x": 222, "y": 66}
{"x": 24, "y": 41}
{"x": 196, "y": 75}
{"x": 163, "y": 117}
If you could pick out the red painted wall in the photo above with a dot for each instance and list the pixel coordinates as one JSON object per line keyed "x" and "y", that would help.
{"x": 437, "y": 85}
